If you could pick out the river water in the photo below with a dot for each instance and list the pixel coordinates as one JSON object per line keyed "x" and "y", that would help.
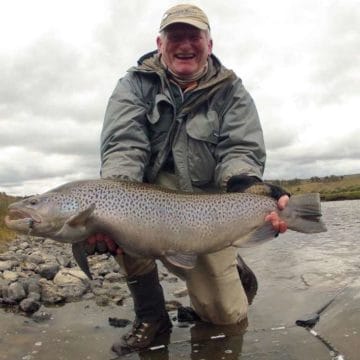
{"x": 297, "y": 275}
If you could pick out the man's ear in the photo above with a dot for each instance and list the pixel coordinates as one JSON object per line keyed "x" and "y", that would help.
{"x": 210, "y": 46}
{"x": 159, "y": 44}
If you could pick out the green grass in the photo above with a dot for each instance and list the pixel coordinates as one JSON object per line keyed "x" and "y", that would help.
{"x": 5, "y": 233}
{"x": 331, "y": 188}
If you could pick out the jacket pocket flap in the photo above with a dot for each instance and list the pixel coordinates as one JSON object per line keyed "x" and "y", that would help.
{"x": 204, "y": 127}
{"x": 160, "y": 102}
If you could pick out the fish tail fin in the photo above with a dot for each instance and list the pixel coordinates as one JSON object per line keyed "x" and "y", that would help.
{"x": 303, "y": 213}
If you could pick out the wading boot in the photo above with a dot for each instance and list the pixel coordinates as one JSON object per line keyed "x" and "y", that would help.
{"x": 151, "y": 318}
{"x": 248, "y": 279}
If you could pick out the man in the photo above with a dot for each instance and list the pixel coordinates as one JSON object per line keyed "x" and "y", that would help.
{"x": 182, "y": 120}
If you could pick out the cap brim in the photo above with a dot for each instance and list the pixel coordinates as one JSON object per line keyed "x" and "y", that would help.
{"x": 198, "y": 24}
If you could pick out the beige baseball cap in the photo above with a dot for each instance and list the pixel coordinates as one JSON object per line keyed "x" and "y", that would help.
{"x": 185, "y": 13}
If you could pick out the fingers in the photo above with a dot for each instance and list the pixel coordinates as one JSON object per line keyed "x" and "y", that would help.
{"x": 279, "y": 225}
{"x": 110, "y": 243}
{"x": 283, "y": 201}
{"x": 102, "y": 243}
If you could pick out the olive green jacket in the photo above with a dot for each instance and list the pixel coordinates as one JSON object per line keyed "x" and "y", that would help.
{"x": 211, "y": 133}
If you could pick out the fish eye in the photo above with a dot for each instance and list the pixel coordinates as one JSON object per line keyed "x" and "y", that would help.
{"x": 33, "y": 201}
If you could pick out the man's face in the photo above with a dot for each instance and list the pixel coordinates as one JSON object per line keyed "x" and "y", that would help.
{"x": 184, "y": 49}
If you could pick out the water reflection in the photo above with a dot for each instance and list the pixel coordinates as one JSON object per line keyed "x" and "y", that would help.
{"x": 206, "y": 342}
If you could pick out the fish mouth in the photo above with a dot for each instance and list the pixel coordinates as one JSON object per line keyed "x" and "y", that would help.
{"x": 18, "y": 219}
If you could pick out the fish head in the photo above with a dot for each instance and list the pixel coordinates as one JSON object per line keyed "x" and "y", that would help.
{"x": 46, "y": 215}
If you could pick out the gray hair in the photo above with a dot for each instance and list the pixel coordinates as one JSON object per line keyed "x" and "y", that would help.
{"x": 207, "y": 33}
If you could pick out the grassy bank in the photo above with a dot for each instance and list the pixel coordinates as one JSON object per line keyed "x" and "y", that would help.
{"x": 5, "y": 233}
{"x": 331, "y": 188}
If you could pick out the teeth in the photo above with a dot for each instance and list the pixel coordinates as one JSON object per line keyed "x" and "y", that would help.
{"x": 185, "y": 56}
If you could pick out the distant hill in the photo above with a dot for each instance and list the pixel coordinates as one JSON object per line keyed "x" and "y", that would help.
{"x": 346, "y": 187}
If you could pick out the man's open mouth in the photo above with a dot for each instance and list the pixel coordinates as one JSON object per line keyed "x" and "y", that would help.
{"x": 185, "y": 56}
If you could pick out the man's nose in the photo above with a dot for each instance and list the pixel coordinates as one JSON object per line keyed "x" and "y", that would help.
{"x": 185, "y": 42}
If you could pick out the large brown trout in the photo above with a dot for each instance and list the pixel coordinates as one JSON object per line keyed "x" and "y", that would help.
{"x": 146, "y": 220}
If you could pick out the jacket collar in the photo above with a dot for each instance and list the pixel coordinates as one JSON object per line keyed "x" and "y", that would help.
{"x": 217, "y": 73}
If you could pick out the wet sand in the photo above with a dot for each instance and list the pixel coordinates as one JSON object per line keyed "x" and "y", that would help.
{"x": 297, "y": 275}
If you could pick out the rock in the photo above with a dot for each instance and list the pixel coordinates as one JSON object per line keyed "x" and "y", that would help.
{"x": 102, "y": 268}
{"x": 4, "y": 284}
{"x": 41, "y": 316}
{"x": 7, "y": 302}
{"x": 50, "y": 293}
{"x": 103, "y": 264}
{"x": 29, "y": 266}
{"x": 172, "y": 305}
{"x": 34, "y": 296}
{"x": 10, "y": 276}
{"x": 181, "y": 292}
{"x": 8, "y": 255}
{"x": 48, "y": 270}
{"x": 36, "y": 258}
{"x": 31, "y": 284}
{"x": 8, "y": 264}
{"x": 24, "y": 245}
{"x": 63, "y": 260}
{"x": 88, "y": 296}
{"x": 172, "y": 279}
{"x": 102, "y": 300}
{"x": 116, "y": 322}
{"x": 29, "y": 305}
{"x": 72, "y": 283}
{"x": 70, "y": 276}
{"x": 16, "y": 291}
{"x": 113, "y": 277}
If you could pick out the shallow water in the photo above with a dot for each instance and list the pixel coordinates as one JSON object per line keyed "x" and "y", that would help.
{"x": 297, "y": 275}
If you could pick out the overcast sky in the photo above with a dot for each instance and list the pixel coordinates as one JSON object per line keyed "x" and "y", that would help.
{"x": 60, "y": 61}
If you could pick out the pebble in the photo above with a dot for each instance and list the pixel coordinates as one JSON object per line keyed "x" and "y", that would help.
{"x": 36, "y": 271}
{"x": 10, "y": 275}
{"x": 7, "y": 265}
{"x": 29, "y": 305}
{"x": 181, "y": 292}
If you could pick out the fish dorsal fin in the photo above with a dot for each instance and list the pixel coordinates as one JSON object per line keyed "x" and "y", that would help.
{"x": 81, "y": 217}
{"x": 81, "y": 259}
{"x": 185, "y": 261}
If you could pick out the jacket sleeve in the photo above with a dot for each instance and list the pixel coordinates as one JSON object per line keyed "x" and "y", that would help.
{"x": 125, "y": 146}
{"x": 241, "y": 148}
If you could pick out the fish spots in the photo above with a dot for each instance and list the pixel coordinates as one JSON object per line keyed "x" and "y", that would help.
{"x": 148, "y": 213}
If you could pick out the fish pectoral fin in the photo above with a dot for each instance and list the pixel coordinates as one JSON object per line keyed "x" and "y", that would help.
{"x": 258, "y": 236}
{"x": 185, "y": 261}
{"x": 81, "y": 217}
{"x": 81, "y": 258}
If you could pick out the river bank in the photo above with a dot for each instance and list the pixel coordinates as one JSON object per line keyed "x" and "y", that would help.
{"x": 37, "y": 271}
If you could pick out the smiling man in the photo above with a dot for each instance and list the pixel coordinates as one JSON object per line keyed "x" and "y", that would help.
{"x": 184, "y": 50}
{"x": 182, "y": 120}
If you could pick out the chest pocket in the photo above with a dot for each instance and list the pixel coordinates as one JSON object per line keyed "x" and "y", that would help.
{"x": 203, "y": 136}
{"x": 160, "y": 117}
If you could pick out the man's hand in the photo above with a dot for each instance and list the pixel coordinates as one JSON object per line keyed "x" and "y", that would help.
{"x": 244, "y": 183}
{"x": 102, "y": 243}
{"x": 279, "y": 225}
